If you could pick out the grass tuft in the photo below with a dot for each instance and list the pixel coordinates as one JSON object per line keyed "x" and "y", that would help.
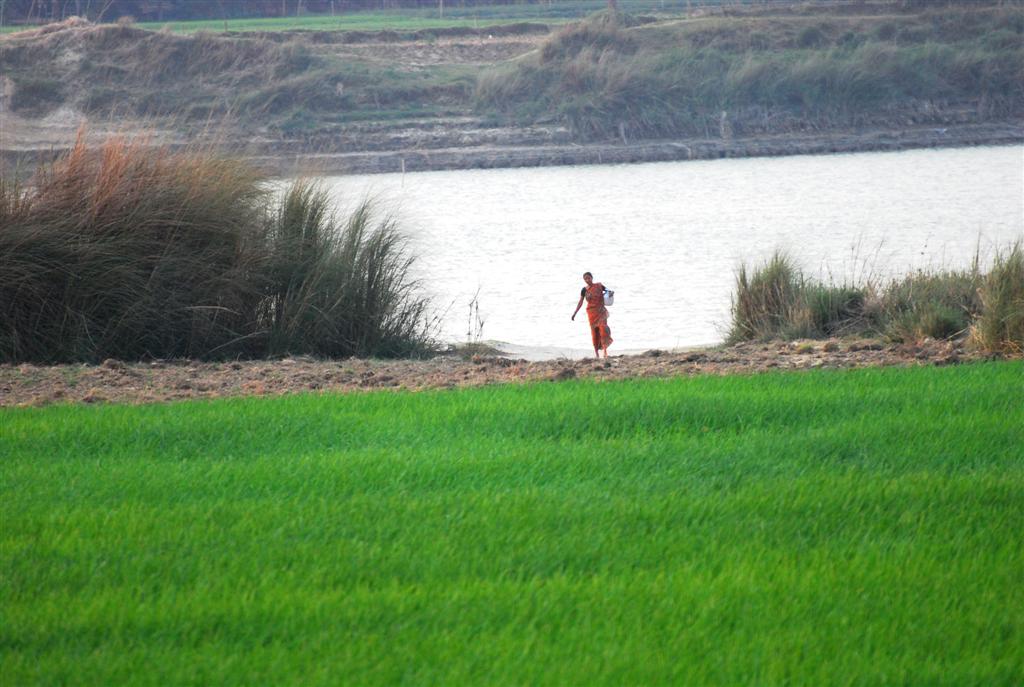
{"x": 939, "y": 304}
{"x": 1000, "y": 326}
{"x": 125, "y": 251}
{"x": 765, "y": 298}
{"x": 776, "y": 300}
{"x": 339, "y": 287}
{"x": 121, "y": 251}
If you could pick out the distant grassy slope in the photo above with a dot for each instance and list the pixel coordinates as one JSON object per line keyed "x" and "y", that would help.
{"x": 770, "y": 71}
{"x": 117, "y": 71}
{"x": 555, "y": 11}
{"x": 606, "y": 78}
{"x": 858, "y": 527}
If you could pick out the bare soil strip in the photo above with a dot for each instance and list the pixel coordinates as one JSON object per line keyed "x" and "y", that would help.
{"x": 114, "y": 381}
{"x": 522, "y": 154}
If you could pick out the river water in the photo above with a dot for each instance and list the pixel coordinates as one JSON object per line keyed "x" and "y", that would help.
{"x": 668, "y": 237}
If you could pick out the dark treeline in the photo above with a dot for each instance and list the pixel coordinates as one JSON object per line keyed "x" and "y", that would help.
{"x": 37, "y": 11}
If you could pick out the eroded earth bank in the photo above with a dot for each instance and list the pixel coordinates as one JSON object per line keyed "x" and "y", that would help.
{"x": 780, "y": 80}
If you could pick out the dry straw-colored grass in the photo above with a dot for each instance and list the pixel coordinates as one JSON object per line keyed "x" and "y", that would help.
{"x": 131, "y": 251}
{"x": 776, "y": 300}
{"x": 1000, "y": 326}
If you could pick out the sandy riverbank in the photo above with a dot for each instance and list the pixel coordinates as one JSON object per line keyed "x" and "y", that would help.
{"x": 674, "y": 150}
{"x": 282, "y": 159}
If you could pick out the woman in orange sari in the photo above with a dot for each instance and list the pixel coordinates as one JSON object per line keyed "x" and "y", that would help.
{"x": 597, "y": 313}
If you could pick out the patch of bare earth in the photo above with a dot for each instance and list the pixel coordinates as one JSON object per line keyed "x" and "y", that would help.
{"x": 118, "y": 382}
{"x": 416, "y": 55}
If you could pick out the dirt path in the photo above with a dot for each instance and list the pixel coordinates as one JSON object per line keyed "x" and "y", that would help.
{"x": 418, "y": 55}
{"x": 118, "y": 382}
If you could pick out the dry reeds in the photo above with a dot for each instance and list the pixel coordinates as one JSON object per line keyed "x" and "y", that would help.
{"x": 765, "y": 298}
{"x": 601, "y": 78}
{"x": 129, "y": 251}
{"x": 1000, "y": 327}
{"x": 938, "y": 304}
{"x": 776, "y": 300}
{"x": 338, "y": 287}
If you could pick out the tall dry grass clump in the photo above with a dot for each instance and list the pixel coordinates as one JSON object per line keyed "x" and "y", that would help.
{"x": 775, "y": 300}
{"x": 127, "y": 251}
{"x": 765, "y": 298}
{"x": 1000, "y": 327}
{"x": 339, "y": 285}
{"x": 940, "y": 304}
{"x": 121, "y": 251}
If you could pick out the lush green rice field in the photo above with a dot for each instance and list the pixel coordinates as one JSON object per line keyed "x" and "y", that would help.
{"x": 859, "y": 527}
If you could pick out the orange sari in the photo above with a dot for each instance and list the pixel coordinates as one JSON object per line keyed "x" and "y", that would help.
{"x": 597, "y": 313}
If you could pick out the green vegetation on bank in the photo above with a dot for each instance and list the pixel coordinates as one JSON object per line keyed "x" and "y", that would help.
{"x": 717, "y": 76}
{"x": 855, "y": 527}
{"x": 289, "y": 87}
{"x": 397, "y": 18}
{"x": 776, "y": 300}
{"x": 758, "y": 70}
{"x": 130, "y": 252}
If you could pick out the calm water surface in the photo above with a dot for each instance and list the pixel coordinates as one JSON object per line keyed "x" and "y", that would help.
{"x": 668, "y": 237}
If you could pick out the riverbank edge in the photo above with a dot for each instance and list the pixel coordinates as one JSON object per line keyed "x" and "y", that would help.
{"x": 674, "y": 150}
{"x": 115, "y": 381}
{"x": 291, "y": 163}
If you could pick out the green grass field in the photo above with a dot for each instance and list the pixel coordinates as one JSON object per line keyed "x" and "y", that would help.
{"x": 834, "y": 527}
{"x": 396, "y": 20}
{"x": 399, "y": 20}
{"x": 412, "y": 19}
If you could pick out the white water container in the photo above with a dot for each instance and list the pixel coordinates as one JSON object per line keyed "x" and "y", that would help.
{"x": 609, "y": 297}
